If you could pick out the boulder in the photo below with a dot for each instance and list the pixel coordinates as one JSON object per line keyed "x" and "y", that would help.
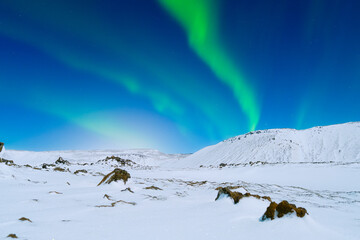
{"x": 114, "y": 176}
{"x": 282, "y": 209}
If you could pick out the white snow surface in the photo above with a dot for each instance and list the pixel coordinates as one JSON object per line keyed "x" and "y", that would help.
{"x": 335, "y": 143}
{"x": 64, "y": 205}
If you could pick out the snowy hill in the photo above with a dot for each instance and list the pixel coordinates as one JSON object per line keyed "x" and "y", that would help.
{"x": 148, "y": 157}
{"x": 169, "y": 197}
{"x": 335, "y": 143}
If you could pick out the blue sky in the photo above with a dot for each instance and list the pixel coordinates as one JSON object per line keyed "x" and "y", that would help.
{"x": 137, "y": 74}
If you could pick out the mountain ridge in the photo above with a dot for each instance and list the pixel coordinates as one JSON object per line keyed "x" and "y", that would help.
{"x": 332, "y": 143}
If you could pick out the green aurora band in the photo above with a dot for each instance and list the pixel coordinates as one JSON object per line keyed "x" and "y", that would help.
{"x": 197, "y": 19}
{"x": 162, "y": 102}
{"x": 109, "y": 40}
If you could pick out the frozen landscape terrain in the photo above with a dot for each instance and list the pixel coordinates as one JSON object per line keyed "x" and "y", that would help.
{"x": 172, "y": 196}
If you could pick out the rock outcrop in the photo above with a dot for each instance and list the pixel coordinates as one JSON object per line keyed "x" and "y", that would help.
{"x": 236, "y": 196}
{"x": 281, "y": 209}
{"x": 116, "y": 175}
{"x": 62, "y": 161}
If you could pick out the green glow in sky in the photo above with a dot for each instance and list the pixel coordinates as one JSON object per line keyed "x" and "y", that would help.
{"x": 171, "y": 94}
{"x": 198, "y": 18}
{"x": 161, "y": 101}
{"x": 170, "y": 101}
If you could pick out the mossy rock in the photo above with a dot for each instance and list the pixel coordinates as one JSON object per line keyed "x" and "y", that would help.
{"x": 25, "y": 219}
{"x": 80, "y": 171}
{"x": 301, "y": 212}
{"x": 12, "y": 235}
{"x": 195, "y": 183}
{"x": 267, "y": 198}
{"x": 236, "y": 196}
{"x": 59, "y": 169}
{"x": 283, "y": 208}
{"x": 116, "y": 175}
{"x": 270, "y": 212}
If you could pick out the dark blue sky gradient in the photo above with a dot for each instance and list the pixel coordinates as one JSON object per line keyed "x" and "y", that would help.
{"x": 66, "y": 66}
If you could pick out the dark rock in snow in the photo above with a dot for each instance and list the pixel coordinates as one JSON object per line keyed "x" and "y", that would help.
{"x": 12, "y": 235}
{"x": 62, "y": 161}
{"x": 114, "y": 176}
{"x": 80, "y": 171}
{"x": 25, "y": 219}
{"x": 237, "y": 196}
{"x": 281, "y": 209}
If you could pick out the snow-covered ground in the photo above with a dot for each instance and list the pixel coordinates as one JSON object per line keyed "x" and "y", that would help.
{"x": 309, "y": 171}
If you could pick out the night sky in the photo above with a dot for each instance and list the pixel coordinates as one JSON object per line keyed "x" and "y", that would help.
{"x": 174, "y": 75}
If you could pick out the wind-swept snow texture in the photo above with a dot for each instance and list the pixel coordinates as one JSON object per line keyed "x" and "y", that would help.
{"x": 170, "y": 197}
{"x": 335, "y": 143}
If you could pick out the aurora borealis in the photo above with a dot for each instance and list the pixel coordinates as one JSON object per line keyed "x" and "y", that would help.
{"x": 175, "y": 75}
{"x": 198, "y": 18}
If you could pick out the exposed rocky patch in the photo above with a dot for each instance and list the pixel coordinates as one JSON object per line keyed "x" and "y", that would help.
{"x": 62, "y": 161}
{"x": 46, "y": 165}
{"x": 117, "y": 160}
{"x": 270, "y": 211}
{"x": 12, "y": 235}
{"x": 153, "y": 188}
{"x": 114, "y": 176}
{"x": 195, "y": 183}
{"x": 237, "y": 196}
{"x": 29, "y": 166}
{"x": 108, "y": 197}
{"x": 80, "y": 171}
{"x": 59, "y": 169}
{"x": 127, "y": 189}
{"x": 281, "y": 209}
{"x": 273, "y": 210}
{"x": 7, "y": 162}
{"x": 55, "y": 192}
{"x": 259, "y": 163}
{"x": 24, "y": 219}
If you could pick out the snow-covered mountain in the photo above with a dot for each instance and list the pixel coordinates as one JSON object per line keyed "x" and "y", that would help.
{"x": 168, "y": 196}
{"x": 334, "y": 143}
